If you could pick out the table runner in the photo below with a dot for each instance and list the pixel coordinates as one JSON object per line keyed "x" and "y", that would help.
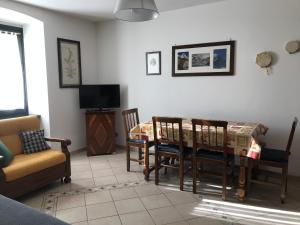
{"x": 241, "y": 135}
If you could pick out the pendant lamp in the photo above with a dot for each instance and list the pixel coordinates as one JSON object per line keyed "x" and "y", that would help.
{"x": 136, "y": 10}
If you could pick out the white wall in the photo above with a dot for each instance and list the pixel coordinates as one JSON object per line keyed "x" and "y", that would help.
{"x": 66, "y": 119}
{"x": 250, "y": 95}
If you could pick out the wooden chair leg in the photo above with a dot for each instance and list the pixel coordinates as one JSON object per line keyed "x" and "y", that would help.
{"x": 181, "y": 172}
{"x": 249, "y": 176}
{"x": 283, "y": 183}
{"x": 194, "y": 169}
{"x": 146, "y": 161}
{"x": 286, "y": 180}
{"x": 128, "y": 157}
{"x": 167, "y": 162}
{"x": 140, "y": 156}
{"x": 224, "y": 192}
{"x": 157, "y": 166}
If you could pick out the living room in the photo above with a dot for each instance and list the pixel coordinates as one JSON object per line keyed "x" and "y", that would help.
{"x": 114, "y": 52}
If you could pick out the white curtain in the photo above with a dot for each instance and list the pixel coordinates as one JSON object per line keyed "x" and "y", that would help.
{"x": 11, "y": 77}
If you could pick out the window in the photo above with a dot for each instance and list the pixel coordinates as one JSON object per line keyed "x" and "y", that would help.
{"x": 13, "y": 96}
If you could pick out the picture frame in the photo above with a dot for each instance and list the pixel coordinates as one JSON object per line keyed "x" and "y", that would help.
{"x": 69, "y": 63}
{"x": 153, "y": 63}
{"x": 207, "y": 59}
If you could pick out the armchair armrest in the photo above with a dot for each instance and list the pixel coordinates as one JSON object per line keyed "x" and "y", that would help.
{"x": 62, "y": 141}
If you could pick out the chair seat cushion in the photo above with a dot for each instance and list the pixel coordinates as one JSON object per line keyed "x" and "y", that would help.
{"x": 26, "y": 164}
{"x": 173, "y": 149}
{"x": 140, "y": 141}
{"x": 276, "y": 155}
{"x": 204, "y": 153}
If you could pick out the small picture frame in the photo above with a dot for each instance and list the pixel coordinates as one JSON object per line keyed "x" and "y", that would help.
{"x": 207, "y": 59}
{"x": 69, "y": 63}
{"x": 153, "y": 63}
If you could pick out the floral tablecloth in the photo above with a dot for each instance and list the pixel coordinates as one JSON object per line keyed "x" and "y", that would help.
{"x": 242, "y": 136}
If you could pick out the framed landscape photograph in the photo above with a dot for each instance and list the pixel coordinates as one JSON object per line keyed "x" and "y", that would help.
{"x": 207, "y": 59}
{"x": 69, "y": 63}
{"x": 153, "y": 63}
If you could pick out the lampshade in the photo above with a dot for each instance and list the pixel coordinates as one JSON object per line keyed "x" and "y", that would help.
{"x": 136, "y": 10}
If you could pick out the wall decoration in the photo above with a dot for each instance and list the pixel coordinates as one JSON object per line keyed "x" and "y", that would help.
{"x": 69, "y": 63}
{"x": 153, "y": 63}
{"x": 264, "y": 60}
{"x": 206, "y": 59}
{"x": 292, "y": 47}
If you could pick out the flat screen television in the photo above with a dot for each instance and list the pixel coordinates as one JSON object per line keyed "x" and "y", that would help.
{"x": 102, "y": 96}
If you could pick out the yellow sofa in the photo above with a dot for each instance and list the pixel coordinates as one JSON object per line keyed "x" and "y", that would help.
{"x": 28, "y": 172}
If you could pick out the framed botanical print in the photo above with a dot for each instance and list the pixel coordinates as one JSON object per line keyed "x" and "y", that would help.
{"x": 207, "y": 59}
{"x": 69, "y": 63}
{"x": 153, "y": 63}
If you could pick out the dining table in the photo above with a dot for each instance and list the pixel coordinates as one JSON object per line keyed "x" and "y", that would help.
{"x": 242, "y": 140}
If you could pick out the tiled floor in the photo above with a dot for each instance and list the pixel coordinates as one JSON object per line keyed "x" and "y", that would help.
{"x": 102, "y": 192}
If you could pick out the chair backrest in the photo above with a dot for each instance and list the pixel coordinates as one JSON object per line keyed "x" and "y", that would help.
{"x": 294, "y": 125}
{"x": 168, "y": 130}
{"x": 130, "y": 120}
{"x": 210, "y": 135}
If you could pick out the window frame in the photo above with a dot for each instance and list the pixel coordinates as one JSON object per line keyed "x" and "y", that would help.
{"x": 4, "y": 114}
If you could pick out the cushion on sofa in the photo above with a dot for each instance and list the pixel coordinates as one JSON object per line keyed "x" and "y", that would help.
{"x": 33, "y": 141}
{"x": 24, "y": 165}
{"x": 6, "y": 153}
{"x": 10, "y": 129}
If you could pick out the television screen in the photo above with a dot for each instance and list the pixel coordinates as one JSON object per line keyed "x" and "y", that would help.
{"x": 99, "y": 96}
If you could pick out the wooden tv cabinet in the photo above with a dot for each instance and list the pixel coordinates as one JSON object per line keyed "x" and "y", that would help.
{"x": 100, "y": 132}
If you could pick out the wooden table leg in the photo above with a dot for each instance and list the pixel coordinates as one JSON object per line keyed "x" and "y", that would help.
{"x": 241, "y": 192}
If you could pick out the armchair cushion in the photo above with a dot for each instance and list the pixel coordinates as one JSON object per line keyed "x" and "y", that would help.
{"x": 6, "y": 153}
{"x": 34, "y": 141}
{"x": 24, "y": 165}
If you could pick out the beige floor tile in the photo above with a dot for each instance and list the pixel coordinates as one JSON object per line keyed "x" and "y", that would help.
{"x": 100, "y": 165}
{"x": 82, "y": 183}
{"x": 181, "y": 223}
{"x": 189, "y": 210}
{"x": 155, "y": 201}
{"x": 33, "y": 199}
{"x": 138, "y": 218}
{"x": 124, "y": 193}
{"x": 72, "y": 201}
{"x": 97, "y": 197}
{"x": 114, "y": 220}
{"x": 81, "y": 168}
{"x": 165, "y": 215}
{"x": 72, "y": 215}
{"x": 99, "y": 181}
{"x": 207, "y": 221}
{"x": 103, "y": 173}
{"x": 119, "y": 170}
{"x": 180, "y": 197}
{"x": 82, "y": 175}
{"x": 125, "y": 178}
{"x": 117, "y": 163}
{"x": 101, "y": 210}
{"x": 129, "y": 205}
{"x": 81, "y": 223}
{"x": 79, "y": 161}
{"x": 146, "y": 190}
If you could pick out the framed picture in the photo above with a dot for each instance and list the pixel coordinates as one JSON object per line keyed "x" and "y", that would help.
{"x": 153, "y": 63}
{"x": 69, "y": 63}
{"x": 208, "y": 59}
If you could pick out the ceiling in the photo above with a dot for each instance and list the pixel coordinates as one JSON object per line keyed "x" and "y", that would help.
{"x": 99, "y": 10}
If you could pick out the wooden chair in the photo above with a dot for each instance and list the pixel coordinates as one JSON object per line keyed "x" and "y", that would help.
{"x": 168, "y": 142}
{"x": 131, "y": 119}
{"x": 274, "y": 158}
{"x": 210, "y": 146}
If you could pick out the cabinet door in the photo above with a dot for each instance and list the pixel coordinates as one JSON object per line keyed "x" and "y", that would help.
{"x": 100, "y": 133}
